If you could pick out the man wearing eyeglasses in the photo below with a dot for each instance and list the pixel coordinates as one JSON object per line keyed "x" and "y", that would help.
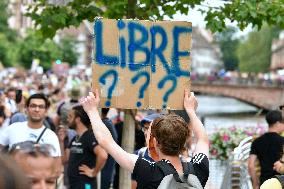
{"x": 33, "y": 129}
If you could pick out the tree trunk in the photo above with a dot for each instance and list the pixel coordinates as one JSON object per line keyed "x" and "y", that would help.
{"x": 128, "y": 134}
{"x": 131, "y": 13}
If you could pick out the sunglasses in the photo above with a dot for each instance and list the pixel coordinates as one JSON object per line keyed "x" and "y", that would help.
{"x": 31, "y": 147}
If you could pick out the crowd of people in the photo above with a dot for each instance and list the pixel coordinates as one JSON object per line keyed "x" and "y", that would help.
{"x": 50, "y": 139}
{"x": 53, "y": 136}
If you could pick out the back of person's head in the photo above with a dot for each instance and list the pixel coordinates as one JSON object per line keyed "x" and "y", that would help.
{"x": 171, "y": 133}
{"x": 11, "y": 89}
{"x": 38, "y": 96}
{"x": 273, "y": 117}
{"x": 19, "y": 96}
{"x": 80, "y": 112}
{"x": 32, "y": 148}
{"x": 75, "y": 93}
{"x": 37, "y": 163}
{"x": 105, "y": 111}
{"x": 11, "y": 176}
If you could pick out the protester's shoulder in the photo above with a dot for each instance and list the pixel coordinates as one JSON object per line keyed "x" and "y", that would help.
{"x": 260, "y": 139}
{"x": 18, "y": 125}
{"x": 108, "y": 123}
{"x": 50, "y": 133}
{"x": 89, "y": 135}
{"x": 201, "y": 167}
{"x": 140, "y": 151}
{"x": 143, "y": 165}
{"x": 199, "y": 158}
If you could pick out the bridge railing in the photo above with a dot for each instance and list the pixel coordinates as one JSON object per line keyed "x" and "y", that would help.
{"x": 236, "y": 175}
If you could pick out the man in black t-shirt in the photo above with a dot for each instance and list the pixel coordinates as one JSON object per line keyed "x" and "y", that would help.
{"x": 86, "y": 157}
{"x": 167, "y": 141}
{"x": 267, "y": 149}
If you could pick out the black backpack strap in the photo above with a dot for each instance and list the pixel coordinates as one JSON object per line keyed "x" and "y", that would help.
{"x": 37, "y": 141}
{"x": 187, "y": 169}
{"x": 168, "y": 169}
{"x": 281, "y": 179}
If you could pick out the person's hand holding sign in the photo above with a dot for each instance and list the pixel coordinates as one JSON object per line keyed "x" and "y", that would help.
{"x": 91, "y": 102}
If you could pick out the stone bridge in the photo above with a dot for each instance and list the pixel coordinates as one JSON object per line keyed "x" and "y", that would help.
{"x": 264, "y": 97}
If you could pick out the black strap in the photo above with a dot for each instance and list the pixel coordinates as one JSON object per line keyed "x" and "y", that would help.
{"x": 167, "y": 169}
{"x": 37, "y": 141}
{"x": 187, "y": 169}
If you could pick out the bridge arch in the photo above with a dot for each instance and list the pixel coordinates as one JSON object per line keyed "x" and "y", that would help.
{"x": 264, "y": 97}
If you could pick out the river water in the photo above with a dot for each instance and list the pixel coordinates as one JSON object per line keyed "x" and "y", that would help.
{"x": 217, "y": 112}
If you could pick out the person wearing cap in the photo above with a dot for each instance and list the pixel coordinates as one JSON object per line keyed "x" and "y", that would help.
{"x": 267, "y": 149}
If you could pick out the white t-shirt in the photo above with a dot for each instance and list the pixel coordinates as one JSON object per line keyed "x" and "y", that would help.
{"x": 20, "y": 132}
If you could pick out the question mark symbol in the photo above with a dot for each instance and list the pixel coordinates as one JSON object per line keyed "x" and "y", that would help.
{"x": 110, "y": 73}
{"x": 143, "y": 87}
{"x": 170, "y": 90}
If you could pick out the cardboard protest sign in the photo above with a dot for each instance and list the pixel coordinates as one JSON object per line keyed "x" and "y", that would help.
{"x": 141, "y": 64}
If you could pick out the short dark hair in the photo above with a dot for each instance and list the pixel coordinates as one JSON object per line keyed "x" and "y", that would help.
{"x": 171, "y": 133}
{"x": 38, "y": 96}
{"x": 19, "y": 96}
{"x": 273, "y": 117}
{"x": 11, "y": 89}
{"x": 80, "y": 112}
{"x": 105, "y": 111}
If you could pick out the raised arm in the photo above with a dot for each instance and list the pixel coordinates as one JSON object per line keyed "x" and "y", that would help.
{"x": 103, "y": 135}
{"x": 190, "y": 105}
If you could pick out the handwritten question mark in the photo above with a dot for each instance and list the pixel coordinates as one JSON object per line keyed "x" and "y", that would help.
{"x": 161, "y": 84}
{"x": 110, "y": 73}
{"x": 143, "y": 87}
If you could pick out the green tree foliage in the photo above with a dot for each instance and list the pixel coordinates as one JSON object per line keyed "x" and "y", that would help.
{"x": 228, "y": 44}
{"x": 46, "y": 51}
{"x": 4, "y": 27}
{"x": 255, "y": 52}
{"x": 15, "y": 50}
{"x": 8, "y": 51}
{"x": 67, "y": 46}
{"x": 8, "y": 38}
{"x": 51, "y": 17}
{"x": 245, "y": 12}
